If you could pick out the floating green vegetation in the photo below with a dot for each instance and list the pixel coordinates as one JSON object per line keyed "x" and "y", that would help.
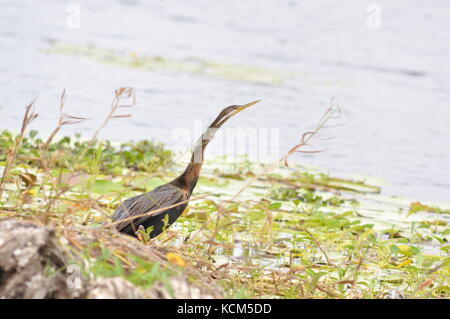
{"x": 294, "y": 234}
{"x": 246, "y": 73}
{"x": 418, "y": 207}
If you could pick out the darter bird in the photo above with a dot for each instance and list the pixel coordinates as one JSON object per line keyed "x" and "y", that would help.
{"x": 137, "y": 211}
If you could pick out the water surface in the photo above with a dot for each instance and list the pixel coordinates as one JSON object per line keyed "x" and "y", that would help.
{"x": 393, "y": 83}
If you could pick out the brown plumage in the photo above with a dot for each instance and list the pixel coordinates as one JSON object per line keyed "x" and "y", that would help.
{"x": 177, "y": 191}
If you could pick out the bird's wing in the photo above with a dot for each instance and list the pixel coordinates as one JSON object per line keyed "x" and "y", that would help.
{"x": 162, "y": 196}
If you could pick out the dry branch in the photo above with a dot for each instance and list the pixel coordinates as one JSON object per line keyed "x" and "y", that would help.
{"x": 120, "y": 94}
{"x": 64, "y": 119}
{"x": 29, "y": 116}
{"x": 333, "y": 112}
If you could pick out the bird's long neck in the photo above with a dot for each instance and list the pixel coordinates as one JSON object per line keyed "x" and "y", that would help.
{"x": 189, "y": 178}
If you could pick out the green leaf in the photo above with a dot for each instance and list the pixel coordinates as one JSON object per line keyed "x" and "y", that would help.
{"x": 440, "y": 240}
{"x": 394, "y": 249}
{"x": 153, "y": 183}
{"x": 446, "y": 232}
{"x": 105, "y": 186}
{"x": 274, "y": 206}
{"x": 33, "y": 134}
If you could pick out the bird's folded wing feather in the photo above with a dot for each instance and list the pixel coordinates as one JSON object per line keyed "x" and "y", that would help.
{"x": 163, "y": 196}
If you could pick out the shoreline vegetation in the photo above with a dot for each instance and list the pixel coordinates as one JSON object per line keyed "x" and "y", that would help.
{"x": 251, "y": 230}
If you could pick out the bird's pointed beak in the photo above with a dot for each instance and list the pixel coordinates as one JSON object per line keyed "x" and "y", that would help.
{"x": 243, "y": 107}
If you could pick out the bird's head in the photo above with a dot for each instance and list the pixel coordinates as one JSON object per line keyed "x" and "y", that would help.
{"x": 229, "y": 112}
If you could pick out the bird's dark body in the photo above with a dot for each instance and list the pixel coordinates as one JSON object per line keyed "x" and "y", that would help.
{"x": 162, "y": 196}
{"x": 176, "y": 192}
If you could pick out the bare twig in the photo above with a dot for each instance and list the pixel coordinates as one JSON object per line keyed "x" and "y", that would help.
{"x": 64, "y": 119}
{"x": 318, "y": 245}
{"x": 333, "y": 112}
{"x": 120, "y": 94}
{"x": 29, "y": 116}
{"x": 328, "y": 291}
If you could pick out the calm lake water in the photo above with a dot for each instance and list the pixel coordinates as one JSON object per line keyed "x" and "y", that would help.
{"x": 388, "y": 65}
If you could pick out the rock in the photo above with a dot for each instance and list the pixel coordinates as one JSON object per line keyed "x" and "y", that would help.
{"x": 113, "y": 288}
{"x": 119, "y": 288}
{"x": 181, "y": 288}
{"x": 31, "y": 262}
